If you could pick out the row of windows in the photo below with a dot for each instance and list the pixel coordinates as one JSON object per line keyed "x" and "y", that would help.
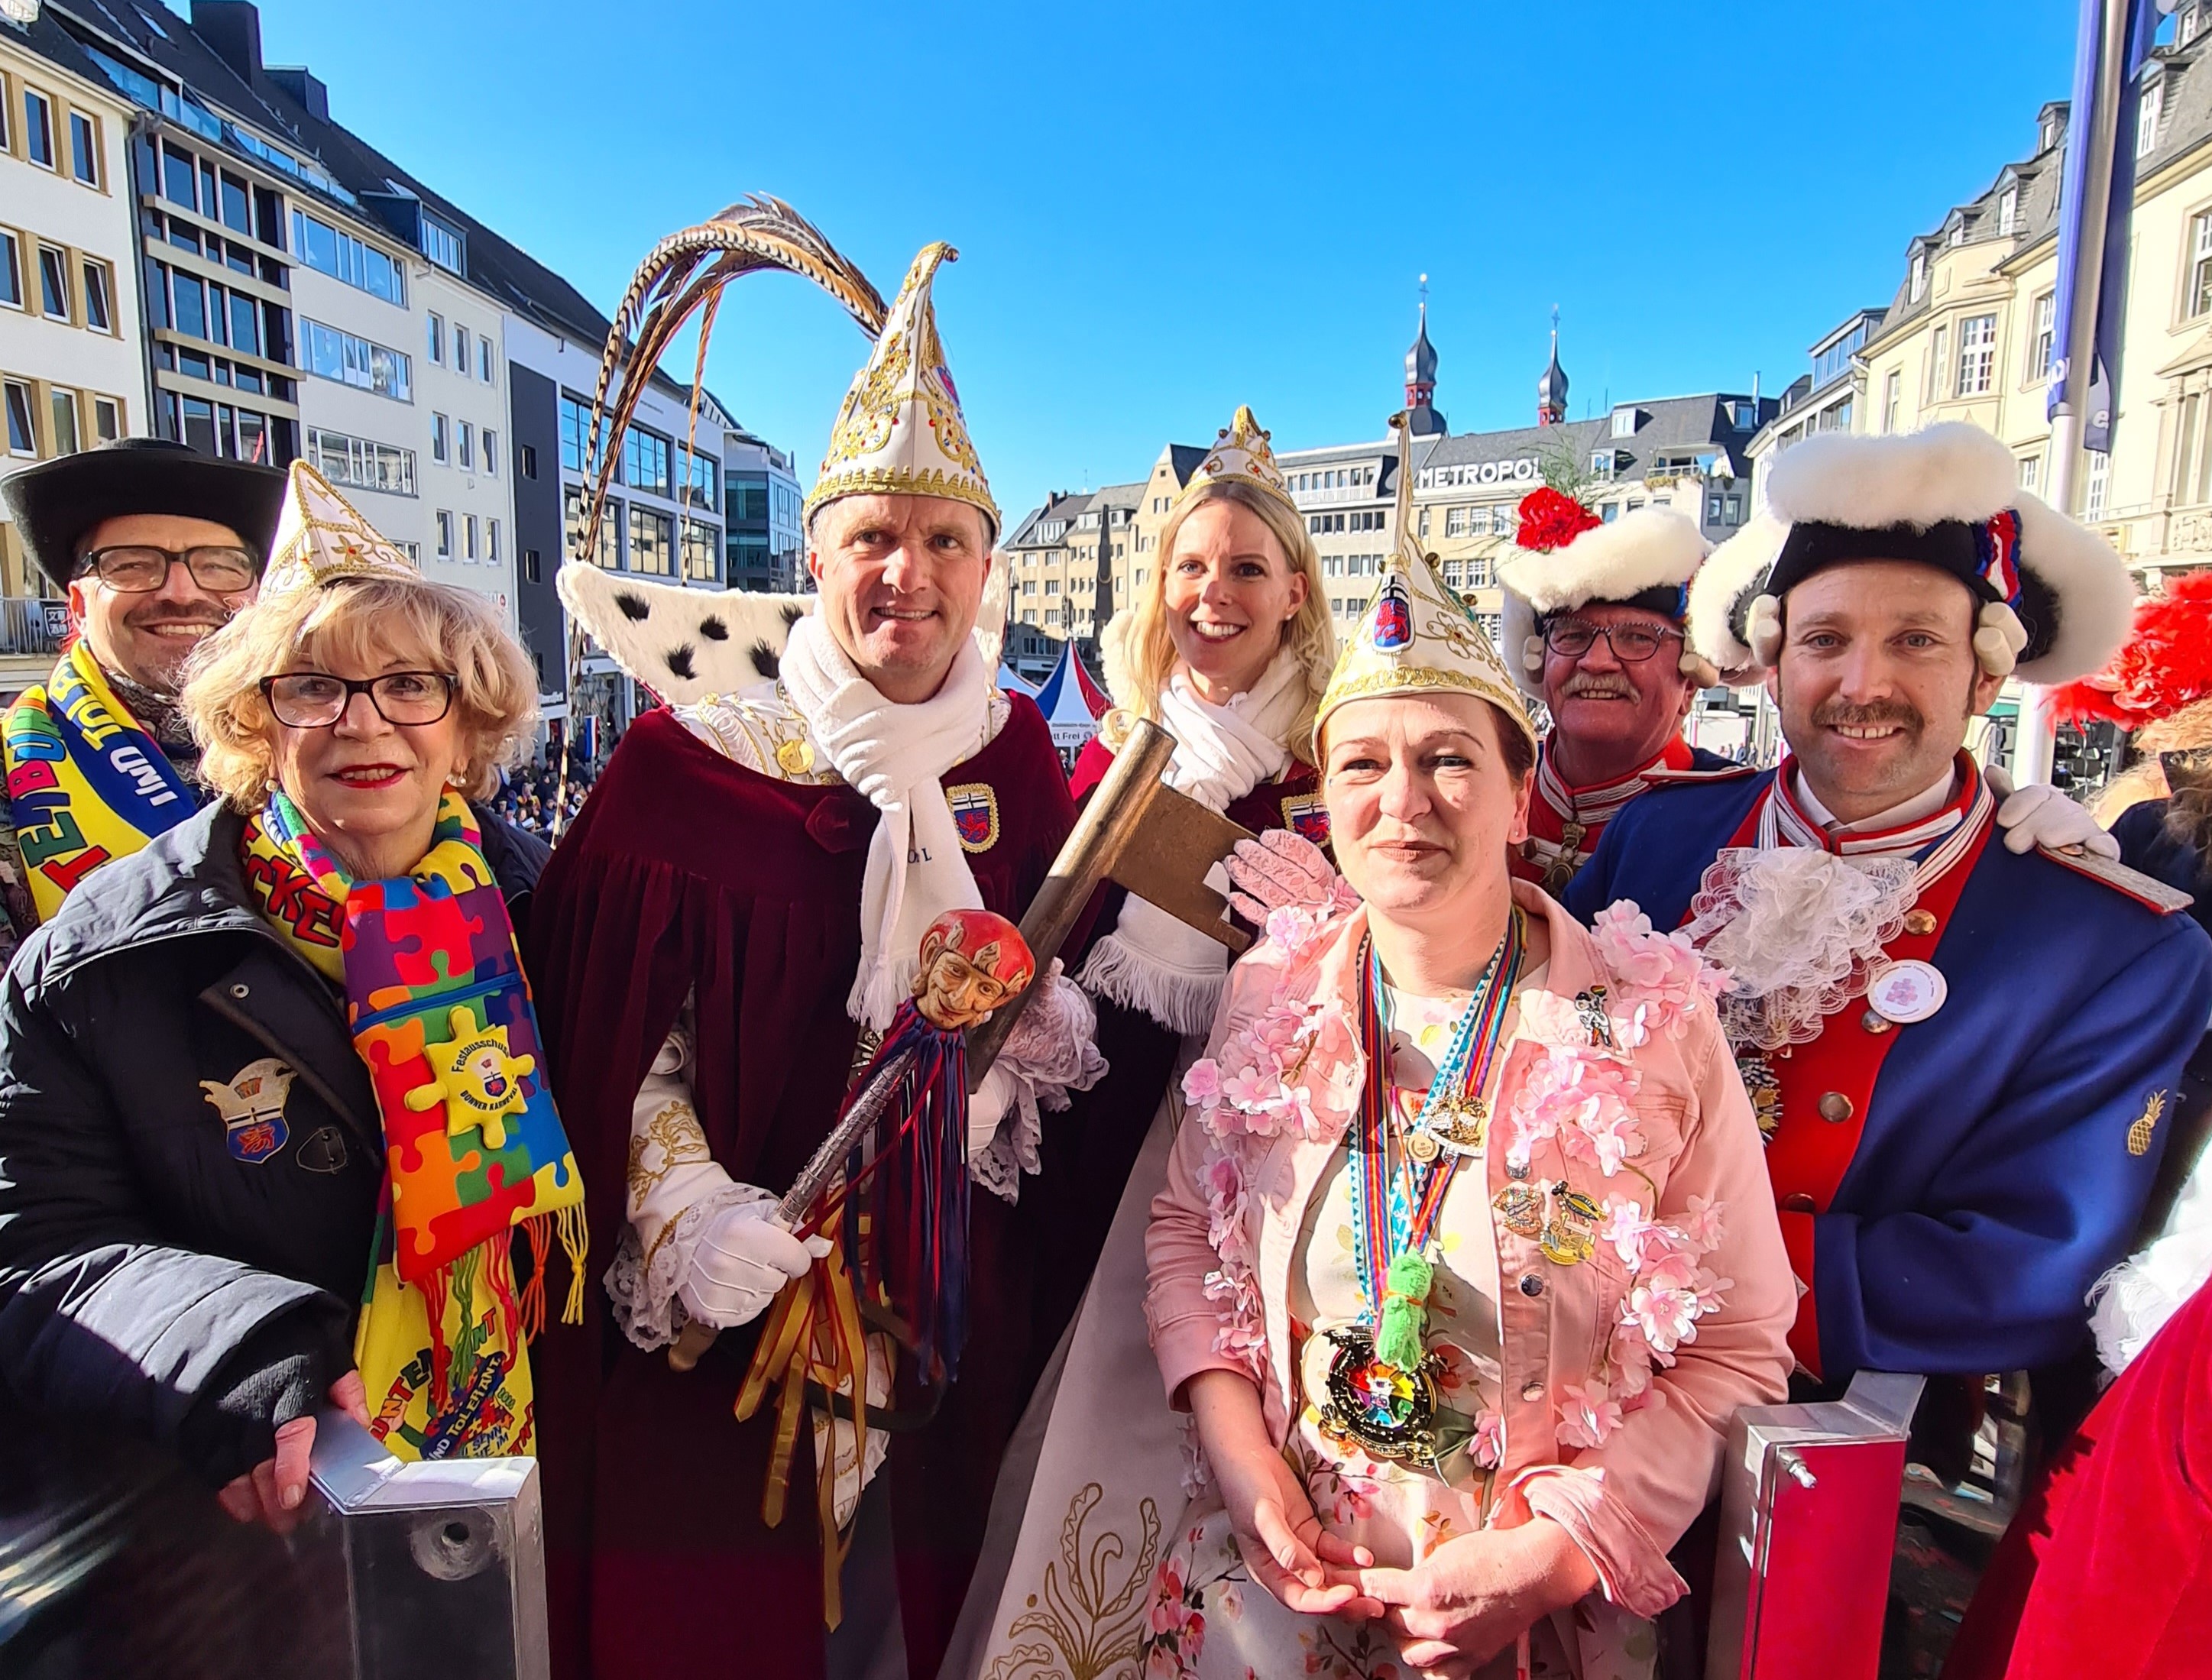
{"x": 237, "y": 255}
{"x": 330, "y": 353}
{"x": 1351, "y": 566}
{"x": 224, "y": 428}
{"x": 652, "y": 539}
{"x": 1334, "y": 478}
{"x": 177, "y": 359}
{"x": 69, "y": 288}
{"x": 196, "y": 308}
{"x": 444, "y": 436}
{"x": 457, "y": 538}
{"x": 73, "y": 419}
{"x": 1364, "y": 519}
{"x": 53, "y": 136}
{"x": 359, "y": 464}
{"x": 461, "y": 341}
{"x": 332, "y": 251}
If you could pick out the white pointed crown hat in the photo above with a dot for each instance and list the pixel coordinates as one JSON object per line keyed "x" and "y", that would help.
{"x": 1417, "y": 637}
{"x": 322, "y": 538}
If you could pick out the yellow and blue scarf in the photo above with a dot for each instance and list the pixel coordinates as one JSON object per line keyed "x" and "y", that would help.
{"x": 86, "y": 782}
{"x": 441, "y": 1016}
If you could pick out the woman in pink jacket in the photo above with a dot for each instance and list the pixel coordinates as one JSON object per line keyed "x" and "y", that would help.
{"x": 1466, "y": 1254}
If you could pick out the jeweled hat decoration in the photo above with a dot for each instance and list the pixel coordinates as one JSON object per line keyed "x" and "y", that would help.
{"x": 1565, "y": 557}
{"x": 322, "y": 538}
{"x": 899, "y": 431}
{"x": 1417, "y": 637}
{"x": 2054, "y": 597}
{"x": 1241, "y": 455}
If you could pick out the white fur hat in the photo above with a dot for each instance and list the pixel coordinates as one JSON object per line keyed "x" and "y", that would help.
{"x": 1645, "y": 557}
{"x": 2055, "y": 597}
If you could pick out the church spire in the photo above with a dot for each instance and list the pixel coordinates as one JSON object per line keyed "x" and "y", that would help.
{"x": 1552, "y": 389}
{"x": 1422, "y": 419}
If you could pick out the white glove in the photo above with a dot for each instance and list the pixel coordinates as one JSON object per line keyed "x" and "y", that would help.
{"x": 742, "y": 1260}
{"x": 988, "y": 1106}
{"x": 2039, "y": 815}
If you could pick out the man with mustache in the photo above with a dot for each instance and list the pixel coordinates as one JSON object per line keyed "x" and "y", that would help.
{"x": 1961, "y": 1052}
{"x": 155, "y": 545}
{"x": 1594, "y": 629}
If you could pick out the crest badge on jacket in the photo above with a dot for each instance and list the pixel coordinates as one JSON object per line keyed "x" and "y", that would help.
{"x": 253, "y": 1109}
{"x": 974, "y": 814}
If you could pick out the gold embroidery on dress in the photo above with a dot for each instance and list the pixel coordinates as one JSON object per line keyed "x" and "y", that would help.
{"x": 675, "y": 1132}
{"x": 2146, "y": 1122}
{"x": 1095, "y": 1625}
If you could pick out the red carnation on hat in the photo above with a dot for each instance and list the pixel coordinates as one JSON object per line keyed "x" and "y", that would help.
{"x": 1550, "y": 520}
{"x": 2165, "y": 664}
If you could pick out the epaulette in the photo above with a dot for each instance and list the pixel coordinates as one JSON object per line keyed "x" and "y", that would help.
{"x": 1663, "y": 776}
{"x": 2145, "y": 890}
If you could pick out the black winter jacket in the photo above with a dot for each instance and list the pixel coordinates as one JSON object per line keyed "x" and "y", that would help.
{"x": 160, "y": 1271}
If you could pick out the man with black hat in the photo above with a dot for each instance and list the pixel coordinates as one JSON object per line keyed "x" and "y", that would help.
{"x": 155, "y": 545}
{"x": 1959, "y": 1053}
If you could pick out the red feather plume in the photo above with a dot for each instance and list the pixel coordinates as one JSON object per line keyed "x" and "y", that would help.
{"x": 2165, "y": 664}
{"x": 1550, "y": 520}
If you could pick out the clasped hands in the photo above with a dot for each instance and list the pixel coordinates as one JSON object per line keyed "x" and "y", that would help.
{"x": 1468, "y": 1600}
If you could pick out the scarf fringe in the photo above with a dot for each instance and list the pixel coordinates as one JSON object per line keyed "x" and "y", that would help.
{"x": 1116, "y": 972}
{"x": 576, "y": 1244}
{"x": 533, "y": 1293}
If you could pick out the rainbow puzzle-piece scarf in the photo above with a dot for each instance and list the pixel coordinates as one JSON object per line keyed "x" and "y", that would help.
{"x": 86, "y": 782}
{"x": 441, "y": 1016}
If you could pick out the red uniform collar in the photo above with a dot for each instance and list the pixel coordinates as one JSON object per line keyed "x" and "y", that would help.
{"x": 1594, "y": 806}
{"x": 1939, "y": 840}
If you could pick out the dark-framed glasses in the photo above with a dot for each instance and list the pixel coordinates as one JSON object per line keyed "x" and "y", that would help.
{"x": 314, "y": 700}
{"x": 137, "y": 568}
{"x": 1631, "y": 644}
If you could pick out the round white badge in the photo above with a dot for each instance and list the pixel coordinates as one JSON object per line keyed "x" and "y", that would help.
{"x": 1908, "y": 992}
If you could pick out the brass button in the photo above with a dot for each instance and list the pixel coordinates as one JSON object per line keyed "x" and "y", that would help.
{"x": 1835, "y": 1108}
{"x": 1875, "y": 1023}
{"x": 1920, "y": 923}
{"x": 1531, "y": 1285}
{"x": 1800, "y": 1202}
{"x": 1532, "y": 1391}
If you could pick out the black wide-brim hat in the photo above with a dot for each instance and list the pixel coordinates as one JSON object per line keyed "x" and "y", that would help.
{"x": 56, "y": 502}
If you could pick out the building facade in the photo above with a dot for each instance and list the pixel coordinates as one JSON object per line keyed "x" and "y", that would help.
{"x": 765, "y": 539}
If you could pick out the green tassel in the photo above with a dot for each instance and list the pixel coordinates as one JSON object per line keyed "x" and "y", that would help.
{"x": 1405, "y": 1314}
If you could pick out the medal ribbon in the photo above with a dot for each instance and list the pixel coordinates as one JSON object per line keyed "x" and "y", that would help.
{"x": 1393, "y": 1212}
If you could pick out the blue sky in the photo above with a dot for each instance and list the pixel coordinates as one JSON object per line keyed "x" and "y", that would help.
{"x": 1164, "y": 211}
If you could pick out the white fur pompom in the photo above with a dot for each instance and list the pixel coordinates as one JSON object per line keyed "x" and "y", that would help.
{"x": 1763, "y": 625}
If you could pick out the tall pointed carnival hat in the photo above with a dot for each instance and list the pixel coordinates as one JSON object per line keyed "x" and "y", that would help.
{"x": 1565, "y": 557}
{"x": 2054, "y": 598}
{"x": 322, "y": 538}
{"x": 899, "y": 431}
{"x": 1417, "y": 637}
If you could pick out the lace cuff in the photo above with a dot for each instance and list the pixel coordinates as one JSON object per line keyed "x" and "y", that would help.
{"x": 642, "y": 1282}
{"x": 1052, "y": 1051}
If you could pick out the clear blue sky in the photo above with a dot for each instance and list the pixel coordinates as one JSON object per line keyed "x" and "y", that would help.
{"x": 1164, "y": 211}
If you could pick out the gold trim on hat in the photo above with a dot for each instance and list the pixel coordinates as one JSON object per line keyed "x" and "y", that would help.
{"x": 1242, "y": 454}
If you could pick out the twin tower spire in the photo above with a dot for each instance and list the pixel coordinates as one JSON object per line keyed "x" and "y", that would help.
{"x": 1424, "y": 419}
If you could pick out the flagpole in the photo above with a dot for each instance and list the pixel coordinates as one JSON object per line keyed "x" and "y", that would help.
{"x": 2036, "y": 732}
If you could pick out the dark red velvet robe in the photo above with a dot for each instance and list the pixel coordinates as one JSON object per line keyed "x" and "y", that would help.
{"x": 1090, "y": 1151}
{"x": 689, "y": 875}
{"x": 2108, "y": 1569}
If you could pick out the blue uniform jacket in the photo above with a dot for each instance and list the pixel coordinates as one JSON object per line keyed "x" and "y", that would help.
{"x": 1994, "y": 1178}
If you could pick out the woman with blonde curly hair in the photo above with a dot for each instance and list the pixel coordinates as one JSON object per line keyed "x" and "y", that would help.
{"x": 303, "y": 1005}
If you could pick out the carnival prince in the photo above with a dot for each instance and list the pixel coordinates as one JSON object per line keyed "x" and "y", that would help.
{"x": 1961, "y": 1052}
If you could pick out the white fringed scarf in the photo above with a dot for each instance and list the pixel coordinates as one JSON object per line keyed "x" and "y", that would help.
{"x": 1151, "y": 961}
{"x": 896, "y": 757}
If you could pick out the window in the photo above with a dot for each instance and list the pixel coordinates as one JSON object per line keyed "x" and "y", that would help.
{"x": 698, "y": 474}
{"x": 445, "y": 535}
{"x": 461, "y": 349}
{"x": 437, "y": 346}
{"x": 84, "y": 149}
{"x": 1747, "y": 412}
{"x": 2093, "y": 498}
{"x": 2200, "y": 264}
{"x": 2008, "y": 209}
{"x": 2045, "y": 347}
{"x": 468, "y": 447}
{"x": 1052, "y": 586}
{"x": 699, "y": 552}
{"x": 442, "y": 244}
{"x": 1893, "y": 399}
{"x": 575, "y": 511}
{"x": 360, "y": 464}
{"x": 22, "y": 436}
{"x": 575, "y": 431}
{"x": 529, "y": 566}
{"x": 490, "y": 454}
{"x": 1978, "y": 352}
{"x": 53, "y": 283}
{"x": 97, "y": 314}
{"x": 331, "y": 250}
{"x": 2192, "y": 455}
{"x": 1939, "y": 362}
{"x": 39, "y": 129}
{"x": 64, "y": 404}
{"x": 2148, "y": 111}
{"x": 1455, "y": 521}
{"x": 468, "y": 537}
{"x": 491, "y": 541}
{"x": 527, "y": 459}
{"x": 483, "y": 360}
{"x": 2030, "y": 470}
{"x": 645, "y": 461}
{"x": 1735, "y": 510}
{"x": 440, "y": 450}
{"x": 651, "y": 543}
{"x": 332, "y": 355}
{"x": 1920, "y": 285}
{"x": 11, "y": 271}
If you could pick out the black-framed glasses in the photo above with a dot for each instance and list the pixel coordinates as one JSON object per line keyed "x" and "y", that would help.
{"x": 313, "y": 700}
{"x": 139, "y": 568}
{"x": 1631, "y": 644}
